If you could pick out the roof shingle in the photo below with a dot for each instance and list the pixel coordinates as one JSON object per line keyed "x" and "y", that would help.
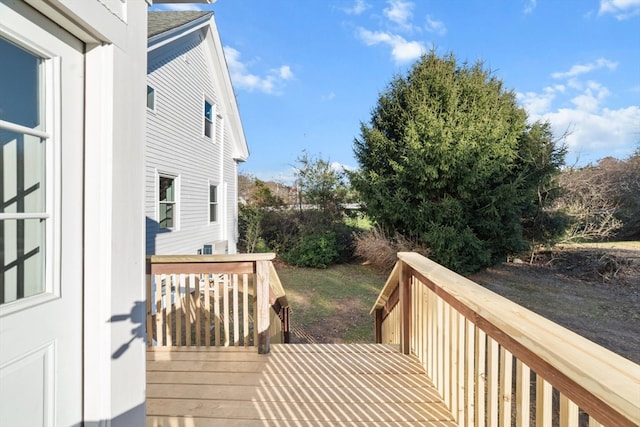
{"x": 159, "y": 22}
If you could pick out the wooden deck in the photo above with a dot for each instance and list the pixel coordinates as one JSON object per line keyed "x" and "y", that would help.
{"x": 294, "y": 385}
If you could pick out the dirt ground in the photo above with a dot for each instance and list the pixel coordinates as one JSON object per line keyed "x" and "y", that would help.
{"x": 593, "y": 290}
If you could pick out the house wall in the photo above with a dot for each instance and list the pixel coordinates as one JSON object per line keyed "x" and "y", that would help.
{"x": 113, "y": 325}
{"x": 182, "y": 76}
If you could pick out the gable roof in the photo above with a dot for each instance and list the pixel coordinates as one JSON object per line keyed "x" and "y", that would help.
{"x": 161, "y": 22}
{"x": 166, "y": 27}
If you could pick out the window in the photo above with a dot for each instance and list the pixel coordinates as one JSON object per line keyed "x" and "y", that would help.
{"x": 151, "y": 98}
{"x": 167, "y": 202}
{"x": 25, "y": 155}
{"x": 213, "y": 203}
{"x": 208, "y": 119}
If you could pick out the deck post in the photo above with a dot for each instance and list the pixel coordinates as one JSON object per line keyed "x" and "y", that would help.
{"x": 377, "y": 326}
{"x": 263, "y": 306}
{"x": 149, "y": 296}
{"x": 405, "y": 308}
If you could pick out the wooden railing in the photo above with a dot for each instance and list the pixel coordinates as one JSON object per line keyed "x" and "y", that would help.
{"x": 496, "y": 363}
{"x": 215, "y": 300}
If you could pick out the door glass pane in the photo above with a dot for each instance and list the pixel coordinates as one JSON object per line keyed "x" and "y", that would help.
{"x": 22, "y": 256}
{"x": 22, "y": 176}
{"x": 20, "y": 101}
{"x": 22, "y": 183}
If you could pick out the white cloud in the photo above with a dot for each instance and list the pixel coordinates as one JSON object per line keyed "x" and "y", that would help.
{"x": 605, "y": 132}
{"x": 342, "y": 167}
{"x": 591, "y": 98}
{"x": 359, "y": 7}
{"x": 579, "y": 69}
{"x": 529, "y": 6}
{"x": 594, "y": 130}
{"x": 537, "y": 104}
{"x": 622, "y": 9}
{"x": 402, "y": 50}
{"x": 435, "y": 26}
{"x": 242, "y": 78}
{"x": 285, "y": 72}
{"x": 400, "y": 12}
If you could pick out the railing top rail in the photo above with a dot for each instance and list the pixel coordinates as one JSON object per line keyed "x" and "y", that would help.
{"x": 178, "y": 259}
{"x": 387, "y": 290}
{"x": 276, "y": 287}
{"x": 538, "y": 341}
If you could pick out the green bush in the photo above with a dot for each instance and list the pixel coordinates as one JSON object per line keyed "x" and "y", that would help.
{"x": 315, "y": 250}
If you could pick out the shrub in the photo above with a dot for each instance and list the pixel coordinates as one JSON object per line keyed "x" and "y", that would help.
{"x": 380, "y": 250}
{"x": 315, "y": 250}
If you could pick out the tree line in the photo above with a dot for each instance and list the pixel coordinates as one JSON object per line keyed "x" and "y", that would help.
{"x": 450, "y": 163}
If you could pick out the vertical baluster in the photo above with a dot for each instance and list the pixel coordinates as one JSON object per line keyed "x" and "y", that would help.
{"x": 255, "y": 311}
{"x": 453, "y": 352}
{"x": 568, "y": 412}
{"x": 179, "y": 310}
{"x": 188, "y": 309}
{"x": 433, "y": 331}
{"x": 225, "y": 309}
{"x": 262, "y": 318}
{"x": 461, "y": 351}
{"x": 426, "y": 348}
{"x": 236, "y": 314}
{"x": 492, "y": 382}
{"x": 207, "y": 310}
{"x": 523, "y": 394}
{"x": 169, "y": 305}
{"x": 440, "y": 346}
{"x": 150, "y": 299}
{"x": 544, "y": 401}
{"x": 506, "y": 387}
{"x": 446, "y": 355}
{"x": 245, "y": 309}
{"x": 159, "y": 310}
{"x": 198, "y": 309}
{"x": 217, "y": 282}
{"x": 481, "y": 377}
{"x": 470, "y": 372}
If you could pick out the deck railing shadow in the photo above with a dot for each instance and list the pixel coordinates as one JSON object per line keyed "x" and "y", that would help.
{"x": 215, "y": 300}
{"x": 495, "y": 362}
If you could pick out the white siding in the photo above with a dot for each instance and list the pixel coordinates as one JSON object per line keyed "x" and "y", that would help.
{"x": 183, "y": 76}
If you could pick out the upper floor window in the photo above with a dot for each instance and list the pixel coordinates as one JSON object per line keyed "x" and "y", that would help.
{"x": 167, "y": 202}
{"x": 208, "y": 119}
{"x": 213, "y": 203}
{"x": 151, "y": 98}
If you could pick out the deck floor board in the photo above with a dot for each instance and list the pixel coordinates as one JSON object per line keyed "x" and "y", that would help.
{"x": 294, "y": 385}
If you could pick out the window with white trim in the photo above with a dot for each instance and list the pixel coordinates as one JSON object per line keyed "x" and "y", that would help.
{"x": 208, "y": 119}
{"x": 151, "y": 98}
{"x": 213, "y": 203}
{"x": 167, "y": 202}
{"x": 25, "y": 182}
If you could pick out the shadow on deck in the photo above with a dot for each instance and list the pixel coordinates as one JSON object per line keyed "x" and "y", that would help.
{"x": 294, "y": 385}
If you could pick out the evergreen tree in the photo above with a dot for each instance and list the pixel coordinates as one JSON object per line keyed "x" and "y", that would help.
{"x": 443, "y": 160}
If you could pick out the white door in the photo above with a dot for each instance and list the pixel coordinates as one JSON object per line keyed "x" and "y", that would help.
{"x": 41, "y": 156}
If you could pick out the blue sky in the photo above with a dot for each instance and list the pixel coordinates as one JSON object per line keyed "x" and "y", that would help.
{"x": 307, "y": 72}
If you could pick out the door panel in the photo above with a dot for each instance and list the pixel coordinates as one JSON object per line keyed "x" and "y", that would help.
{"x": 41, "y": 185}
